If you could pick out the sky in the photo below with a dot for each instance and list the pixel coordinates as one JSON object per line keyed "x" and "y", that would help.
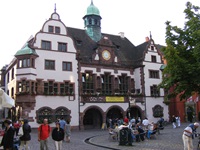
{"x": 136, "y": 18}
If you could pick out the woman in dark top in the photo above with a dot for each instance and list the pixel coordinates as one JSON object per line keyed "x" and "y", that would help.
{"x": 26, "y": 137}
{"x": 8, "y": 137}
{"x": 58, "y": 136}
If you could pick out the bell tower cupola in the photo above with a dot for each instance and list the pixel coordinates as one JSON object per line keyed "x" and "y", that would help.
{"x": 92, "y": 22}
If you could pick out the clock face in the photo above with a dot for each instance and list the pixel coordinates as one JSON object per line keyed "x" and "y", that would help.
{"x": 106, "y": 55}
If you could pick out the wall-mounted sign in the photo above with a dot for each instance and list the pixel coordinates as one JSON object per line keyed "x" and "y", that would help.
{"x": 114, "y": 99}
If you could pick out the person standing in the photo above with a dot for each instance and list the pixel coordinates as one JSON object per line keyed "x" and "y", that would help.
{"x": 43, "y": 135}
{"x": 178, "y": 120}
{"x": 188, "y": 136}
{"x": 174, "y": 122}
{"x": 68, "y": 131}
{"x": 58, "y": 136}
{"x": 62, "y": 124}
{"x": 8, "y": 137}
{"x": 16, "y": 126}
{"x": 26, "y": 137}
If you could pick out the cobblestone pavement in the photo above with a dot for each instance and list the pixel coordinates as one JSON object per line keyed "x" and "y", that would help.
{"x": 168, "y": 139}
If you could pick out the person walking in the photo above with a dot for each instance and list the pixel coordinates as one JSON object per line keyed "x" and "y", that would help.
{"x": 173, "y": 122}
{"x": 8, "y": 137}
{"x": 43, "y": 135}
{"x": 26, "y": 137}
{"x": 68, "y": 131}
{"x": 188, "y": 135}
{"x": 58, "y": 136}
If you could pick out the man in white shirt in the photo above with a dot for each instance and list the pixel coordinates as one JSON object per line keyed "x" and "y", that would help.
{"x": 187, "y": 135}
{"x": 145, "y": 124}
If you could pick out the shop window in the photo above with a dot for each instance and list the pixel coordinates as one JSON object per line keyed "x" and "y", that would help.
{"x": 157, "y": 111}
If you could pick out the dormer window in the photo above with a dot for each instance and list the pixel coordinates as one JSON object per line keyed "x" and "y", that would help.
{"x": 57, "y": 30}
{"x": 50, "y": 29}
{"x": 153, "y": 58}
{"x": 152, "y": 47}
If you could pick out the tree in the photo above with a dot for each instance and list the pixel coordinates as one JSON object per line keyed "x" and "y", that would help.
{"x": 182, "y": 54}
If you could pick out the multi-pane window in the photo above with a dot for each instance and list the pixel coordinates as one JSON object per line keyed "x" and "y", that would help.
{"x": 106, "y": 81}
{"x": 50, "y": 29}
{"x": 123, "y": 84}
{"x": 67, "y": 66}
{"x": 50, "y": 64}
{"x": 62, "y": 47}
{"x": 88, "y": 83}
{"x": 66, "y": 88}
{"x": 153, "y": 74}
{"x": 154, "y": 91}
{"x": 57, "y": 30}
{"x": 24, "y": 63}
{"x": 153, "y": 58}
{"x": 50, "y": 88}
{"x": 23, "y": 86}
{"x": 46, "y": 45}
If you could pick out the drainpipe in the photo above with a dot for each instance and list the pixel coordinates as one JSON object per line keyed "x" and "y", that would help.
{"x": 79, "y": 100}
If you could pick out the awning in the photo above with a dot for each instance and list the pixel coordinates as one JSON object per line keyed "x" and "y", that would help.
{"x": 5, "y": 100}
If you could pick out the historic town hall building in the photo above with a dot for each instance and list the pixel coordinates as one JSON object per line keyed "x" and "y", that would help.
{"x": 85, "y": 75}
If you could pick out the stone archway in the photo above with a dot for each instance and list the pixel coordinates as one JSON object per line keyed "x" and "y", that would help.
{"x": 92, "y": 118}
{"x": 135, "y": 112}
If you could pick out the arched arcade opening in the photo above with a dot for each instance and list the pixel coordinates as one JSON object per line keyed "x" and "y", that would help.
{"x": 92, "y": 119}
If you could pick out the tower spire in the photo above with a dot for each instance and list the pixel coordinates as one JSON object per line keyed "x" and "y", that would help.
{"x": 150, "y": 35}
{"x": 55, "y": 8}
{"x": 92, "y": 2}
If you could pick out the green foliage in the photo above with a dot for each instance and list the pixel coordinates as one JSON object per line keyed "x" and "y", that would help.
{"x": 183, "y": 55}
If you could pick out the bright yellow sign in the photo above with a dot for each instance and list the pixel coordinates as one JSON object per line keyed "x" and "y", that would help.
{"x": 114, "y": 99}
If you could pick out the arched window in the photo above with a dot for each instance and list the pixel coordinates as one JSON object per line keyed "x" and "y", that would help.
{"x": 62, "y": 112}
{"x": 45, "y": 113}
{"x": 157, "y": 111}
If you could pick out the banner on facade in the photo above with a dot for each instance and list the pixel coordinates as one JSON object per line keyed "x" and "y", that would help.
{"x": 114, "y": 99}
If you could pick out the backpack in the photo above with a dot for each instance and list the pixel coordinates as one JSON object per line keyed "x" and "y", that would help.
{"x": 42, "y": 126}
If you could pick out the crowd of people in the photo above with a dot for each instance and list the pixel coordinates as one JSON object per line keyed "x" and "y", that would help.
{"x": 21, "y": 130}
{"x": 140, "y": 129}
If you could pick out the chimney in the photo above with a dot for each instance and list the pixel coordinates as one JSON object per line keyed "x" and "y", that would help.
{"x": 121, "y": 34}
{"x": 146, "y": 39}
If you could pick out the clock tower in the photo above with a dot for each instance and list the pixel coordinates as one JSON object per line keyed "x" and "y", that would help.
{"x": 92, "y": 22}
